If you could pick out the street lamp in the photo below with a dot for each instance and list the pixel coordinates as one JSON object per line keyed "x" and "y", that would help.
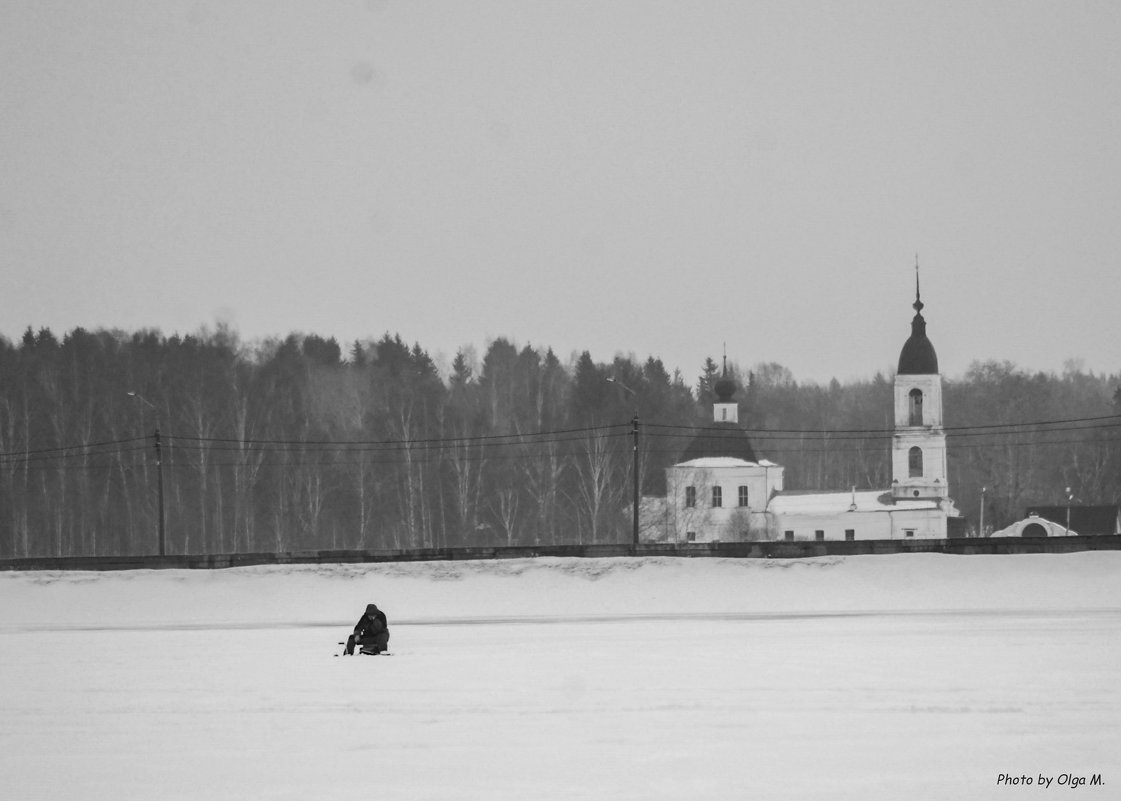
{"x": 634, "y": 434}
{"x": 159, "y": 469}
{"x": 983, "y": 491}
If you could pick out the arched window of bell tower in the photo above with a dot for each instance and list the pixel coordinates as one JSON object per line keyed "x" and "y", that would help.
{"x": 914, "y": 407}
{"x": 914, "y": 462}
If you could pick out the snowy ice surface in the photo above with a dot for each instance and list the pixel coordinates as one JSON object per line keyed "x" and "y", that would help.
{"x": 870, "y": 677}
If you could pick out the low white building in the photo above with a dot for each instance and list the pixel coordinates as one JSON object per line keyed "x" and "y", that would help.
{"x": 721, "y": 492}
{"x": 1035, "y": 526}
{"x": 864, "y": 515}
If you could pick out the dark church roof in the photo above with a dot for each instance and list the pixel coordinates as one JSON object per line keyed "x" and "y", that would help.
{"x": 720, "y": 439}
{"x": 918, "y": 356}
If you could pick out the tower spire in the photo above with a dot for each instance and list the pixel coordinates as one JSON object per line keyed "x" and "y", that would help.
{"x": 724, "y": 408}
{"x": 918, "y": 304}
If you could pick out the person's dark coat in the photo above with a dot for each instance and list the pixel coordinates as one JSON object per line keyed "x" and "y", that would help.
{"x": 371, "y": 631}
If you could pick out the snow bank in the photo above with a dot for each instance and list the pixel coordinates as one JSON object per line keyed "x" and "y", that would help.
{"x": 429, "y": 592}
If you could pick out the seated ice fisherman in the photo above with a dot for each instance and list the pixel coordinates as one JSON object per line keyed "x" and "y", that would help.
{"x": 371, "y": 633}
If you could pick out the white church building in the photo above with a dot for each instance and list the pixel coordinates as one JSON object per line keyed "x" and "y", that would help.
{"x": 721, "y": 492}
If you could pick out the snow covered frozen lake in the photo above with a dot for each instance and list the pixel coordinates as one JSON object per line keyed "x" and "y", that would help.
{"x": 871, "y": 677}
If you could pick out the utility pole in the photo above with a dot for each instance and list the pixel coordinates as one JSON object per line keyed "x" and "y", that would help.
{"x": 159, "y": 485}
{"x": 160, "y": 529}
{"x": 634, "y": 431}
{"x": 634, "y": 448}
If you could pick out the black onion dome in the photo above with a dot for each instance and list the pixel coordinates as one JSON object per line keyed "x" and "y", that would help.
{"x": 720, "y": 439}
{"x": 725, "y": 388}
{"x": 918, "y": 356}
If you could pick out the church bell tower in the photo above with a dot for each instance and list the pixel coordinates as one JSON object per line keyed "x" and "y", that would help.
{"x": 918, "y": 457}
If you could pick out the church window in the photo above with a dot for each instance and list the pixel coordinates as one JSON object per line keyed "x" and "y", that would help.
{"x": 690, "y": 497}
{"x": 743, "y": 496}
{"x": 914, "y": 462}
{"x": 915, "y": 407}
{"x": 717, "y": 496}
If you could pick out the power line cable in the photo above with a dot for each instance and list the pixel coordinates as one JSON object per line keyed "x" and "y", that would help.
{"x": 649, "y": 432}
{"x": 888, "y": 431}
{"x": 106, "y": 443}
{"x": 473, "y": 438}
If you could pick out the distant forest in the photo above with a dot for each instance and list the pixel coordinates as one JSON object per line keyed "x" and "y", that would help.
{"x": 301, "y": 444}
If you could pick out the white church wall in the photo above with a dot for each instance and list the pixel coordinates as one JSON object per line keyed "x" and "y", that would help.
{"x": 697, "y": 519}
{"x": 919, "y": 524}
{"x": 862, "y": 525}
{"x": 886, "y": 524}
{"x": 931, "y": 388}
{"x": 919, "y": 428}
{"x": 934, "y": 463}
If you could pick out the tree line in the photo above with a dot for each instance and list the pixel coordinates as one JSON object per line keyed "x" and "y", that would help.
{"x": 295, "y": 444}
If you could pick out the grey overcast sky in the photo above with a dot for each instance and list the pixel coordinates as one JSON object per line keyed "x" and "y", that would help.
{"x": 645, "y": 178}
